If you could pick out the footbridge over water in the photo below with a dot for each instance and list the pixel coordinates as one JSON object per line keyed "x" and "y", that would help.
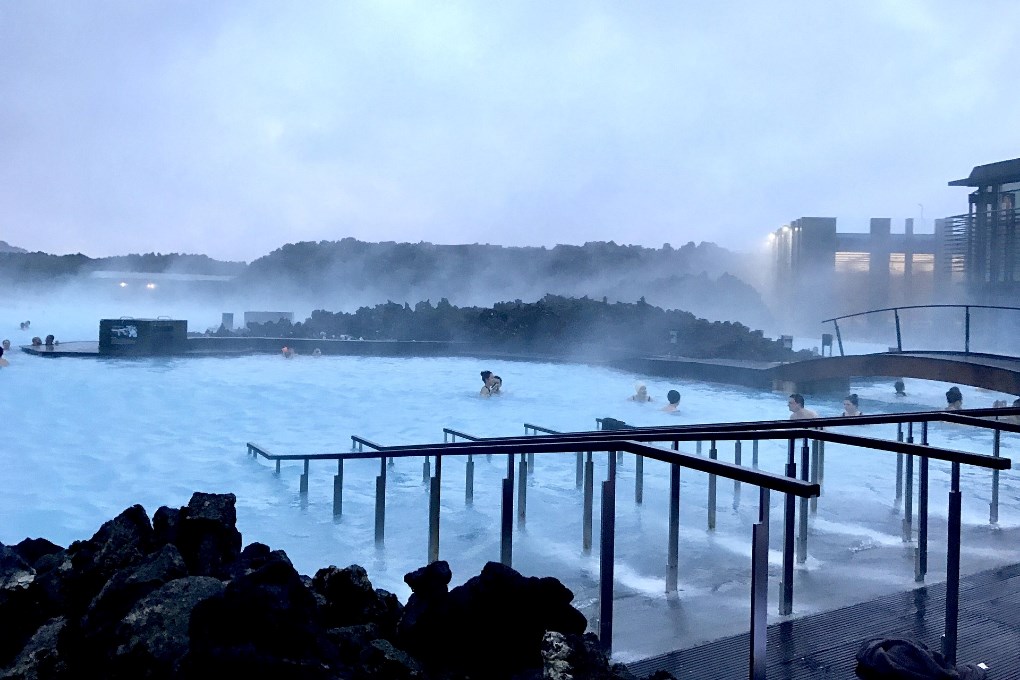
{"x": 946, "y": 325}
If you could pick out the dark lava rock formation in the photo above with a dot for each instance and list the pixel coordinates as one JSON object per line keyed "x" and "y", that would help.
{"x": 177, "y": 597}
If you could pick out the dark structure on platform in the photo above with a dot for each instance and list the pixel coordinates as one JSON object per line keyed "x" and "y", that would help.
{"x": 142, "y": 337}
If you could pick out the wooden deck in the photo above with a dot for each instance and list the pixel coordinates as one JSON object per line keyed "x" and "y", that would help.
{"x": 824, "y": 645}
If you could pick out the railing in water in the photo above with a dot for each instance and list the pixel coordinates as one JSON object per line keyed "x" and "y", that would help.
{"x": 805, "y": 487}
{"x": 896, "y": 316}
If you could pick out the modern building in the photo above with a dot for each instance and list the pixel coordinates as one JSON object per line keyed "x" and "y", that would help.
{"x": 826, "y": 273}
{"x": 819, "y": 272}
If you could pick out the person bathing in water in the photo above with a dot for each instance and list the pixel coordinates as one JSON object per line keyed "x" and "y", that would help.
{"x": 797, "y": 411}
{"x": 954, "y": 399}
{"x": 640, "y": 393}
{"x": 673, "y": 397}
{"x": 491, "y": 384}
{"x": 851, "y": 405}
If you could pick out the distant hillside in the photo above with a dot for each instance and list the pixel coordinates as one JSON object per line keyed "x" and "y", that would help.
{"x": 6, "y": 247}
{"x": 703, "y": 279}
{"x": 20, "y": 267}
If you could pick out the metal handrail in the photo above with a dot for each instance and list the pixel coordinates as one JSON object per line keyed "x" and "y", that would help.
{"x": 462, "y": 435}
{"x": 361, "y": 442}
{"x": 896, "y": 314}
{"x": 538, "y": 428}
{"x": 632, "y": 441}
{"x": 890, "y": 309}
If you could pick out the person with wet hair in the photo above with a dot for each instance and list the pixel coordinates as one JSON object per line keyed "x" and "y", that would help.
{"x": 37, "y": 341}
{"x": 797, "y": 411}
{"x": 673, "y": 397}
{"x": 50, "y": 341}
{"x": 6, "y": 345}
{"x": 488, "y": 380}
{"x": 640, "y": 393}
{"x": 954, "y": 399}
{"x": 496, "y": 386}
{"x": 851, "y": 405}
{"x": 901, "y": 389}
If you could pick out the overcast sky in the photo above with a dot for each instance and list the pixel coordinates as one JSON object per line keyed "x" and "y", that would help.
{"x": 231, "y": 128}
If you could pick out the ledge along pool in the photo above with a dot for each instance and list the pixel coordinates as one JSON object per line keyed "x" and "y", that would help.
{"x": 86, "y": 438}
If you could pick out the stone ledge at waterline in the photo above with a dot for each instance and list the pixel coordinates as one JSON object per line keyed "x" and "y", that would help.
{"x": 177, "y": 597}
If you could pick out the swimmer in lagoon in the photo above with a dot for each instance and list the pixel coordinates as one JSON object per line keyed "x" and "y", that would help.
{"x": 674, "y": 401}
{"x": 7, "y": 345}
{"x": 640, "y": 393}
{"x": 287, "y": 352}
{"x": 900, "y": 388}
{"x": 954, "y": 399}
{"x": 797, "y": 411}
{"x": 851, "y": 405}
{"x": 3, "y": 362}
{"x": 496, "y": 386}
{"x": 37, "y": 341}
{"x": 487, "y": 380}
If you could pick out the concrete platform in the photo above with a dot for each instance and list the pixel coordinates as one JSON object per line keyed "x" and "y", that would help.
{"x": 824, "y": 645}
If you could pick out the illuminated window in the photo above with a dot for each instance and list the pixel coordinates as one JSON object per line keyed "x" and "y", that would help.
{"x": 897, "y": 263}
{"x": 851, "y": 263}
{"x": 923, "y": 263}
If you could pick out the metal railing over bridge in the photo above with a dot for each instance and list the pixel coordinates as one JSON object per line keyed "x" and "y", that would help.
{"x": 896, "y": 316}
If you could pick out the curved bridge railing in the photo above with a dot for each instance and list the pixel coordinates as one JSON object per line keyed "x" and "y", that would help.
{"x": 896, "y": 315}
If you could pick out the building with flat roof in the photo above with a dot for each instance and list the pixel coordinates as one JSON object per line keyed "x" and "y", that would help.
{"x": 982, "y": 251}
{"x": 819, "y": 272}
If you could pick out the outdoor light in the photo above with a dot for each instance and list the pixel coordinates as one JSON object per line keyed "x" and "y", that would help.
{"x": 150, "y": 286}
{"x": 123, "y": 284}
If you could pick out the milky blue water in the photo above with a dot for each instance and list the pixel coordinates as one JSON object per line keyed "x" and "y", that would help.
{"x": 85, "y": 438}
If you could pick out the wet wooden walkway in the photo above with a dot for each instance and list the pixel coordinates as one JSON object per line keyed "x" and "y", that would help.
{"x": 824, "y": 645}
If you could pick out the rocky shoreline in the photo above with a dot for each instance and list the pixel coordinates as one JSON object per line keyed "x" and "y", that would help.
{"x": 178, "y": 597}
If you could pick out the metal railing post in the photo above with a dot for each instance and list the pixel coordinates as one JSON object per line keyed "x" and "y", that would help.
{"x": 803, "y": 523}
{"x": 579, "y": 474}
{"x": 673, "y": 549}
{"x": 607, "y": 549}
{"x": 736, "y": 483}
{"x": 278, "y": 466}
{"x": 469, "y": 481}
{"x": 921, "y": 561}
{"x": 639, "y": 481}
{"x": 952, "y": 568}
{"x": 786, "y": 585}
{"x": 589, "y": 494}
{"x": 531, "y": 462}
{"x": 426, "y": 472}
{"x": 815, "y": 456}
{"x": 434, "y": 486}
{"x": 899, "y": 467}
{"x": 713, "y": 453}
{"x": 754, "y": 454}
{"x": 993, "y": 509}
{"x": 908, "y": 491}
{"x": 522, "y": 489}
{"x": 899, "y": 337}
{"x": 380, "y": 502}
{"x": 506, "y": 525}
{"x": 759, "y": 587}
{"x": 839, "y": 338}
{"x": 303, "y": 484}
{"x": 966, "y": 330}
{"x": 338, "y": 488}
